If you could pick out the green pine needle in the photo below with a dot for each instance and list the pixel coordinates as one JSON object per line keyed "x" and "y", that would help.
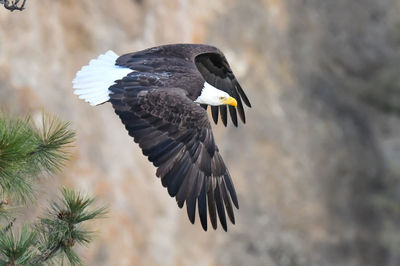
{"x": 72, "y": 256}
{"x": 52, "y": 140}
{"x": 15, "y": 143}
{"x": 62, "y": 227}
{"x": 26, "y": 151}
{"x": 77, "y": 206}
{"x": 18, "y": 249}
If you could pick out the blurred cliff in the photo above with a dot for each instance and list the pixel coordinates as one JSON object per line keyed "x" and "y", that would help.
{"x": 317, "y": 166}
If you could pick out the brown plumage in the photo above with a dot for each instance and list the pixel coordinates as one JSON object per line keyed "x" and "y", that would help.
{"x": 156, "y": 104}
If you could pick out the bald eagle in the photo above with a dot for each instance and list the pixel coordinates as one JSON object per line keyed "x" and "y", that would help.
{"x": 161, "y": 95}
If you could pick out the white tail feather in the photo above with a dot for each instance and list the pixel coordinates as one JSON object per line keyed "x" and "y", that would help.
{"x": 91, "y": 83}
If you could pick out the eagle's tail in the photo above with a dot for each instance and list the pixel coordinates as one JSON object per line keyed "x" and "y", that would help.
{"x": 91, "y": 83}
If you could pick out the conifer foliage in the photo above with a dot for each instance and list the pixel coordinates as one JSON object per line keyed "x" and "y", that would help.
{"x": 26, "y": 152}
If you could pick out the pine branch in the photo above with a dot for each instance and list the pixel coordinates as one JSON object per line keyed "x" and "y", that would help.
{"x": 17, "y": 249}
{"x": 8, "y": 226}
{"x": 54, "y": 236}
{"x": 26, "y": 151}
{"x": 15, "y": 142}
{"x": 52, "y": 140}
{"x": 62, "y": 228}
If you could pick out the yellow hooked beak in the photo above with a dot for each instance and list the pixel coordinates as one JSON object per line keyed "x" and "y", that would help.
{"x": 230, "y": 101}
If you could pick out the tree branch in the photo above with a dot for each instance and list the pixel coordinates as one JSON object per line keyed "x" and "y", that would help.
{"x": 13, "y": 5}
{"x": 8, "y": 226}
{"x": 47, "y": 254}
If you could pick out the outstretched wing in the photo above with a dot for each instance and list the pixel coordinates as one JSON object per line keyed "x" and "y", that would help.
{"x": 175, "y": 134}
{"x": 216, "y": 71}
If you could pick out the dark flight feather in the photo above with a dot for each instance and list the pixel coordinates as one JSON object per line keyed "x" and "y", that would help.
{"x": 186, "y": 156}
{"x": 216, "y": 71}
{"x": 220, "y": 205}
{"x": 224, "y": 116}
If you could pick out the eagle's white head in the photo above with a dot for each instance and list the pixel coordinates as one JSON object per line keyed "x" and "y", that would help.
{"x": 213, "y": 96}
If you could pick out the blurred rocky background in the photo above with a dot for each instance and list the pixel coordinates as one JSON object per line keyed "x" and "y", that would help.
{"x": 316, "y": 167}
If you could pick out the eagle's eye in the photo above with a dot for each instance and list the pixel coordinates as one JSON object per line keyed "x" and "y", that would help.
{"x": 222, "y": 98}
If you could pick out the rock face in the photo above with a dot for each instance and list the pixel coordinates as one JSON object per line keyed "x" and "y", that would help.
{"x": 316, "y": 167}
